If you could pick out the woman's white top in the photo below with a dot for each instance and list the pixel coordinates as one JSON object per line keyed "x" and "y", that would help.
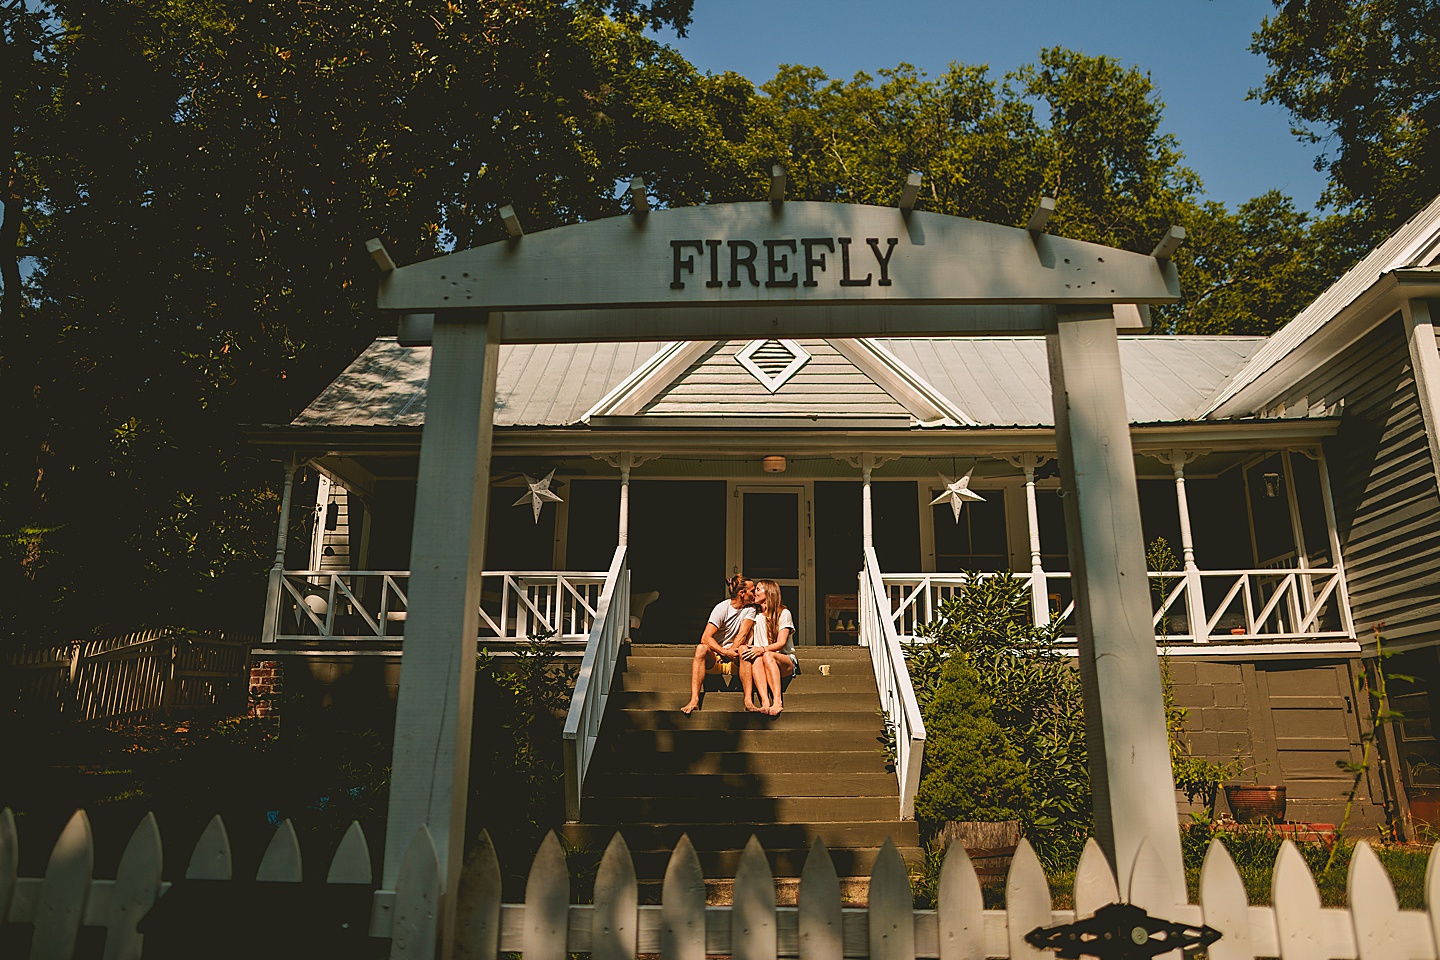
{"x": 762, "y": 627}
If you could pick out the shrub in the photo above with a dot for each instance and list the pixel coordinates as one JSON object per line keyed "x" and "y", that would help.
{"x": 972, "y": 771}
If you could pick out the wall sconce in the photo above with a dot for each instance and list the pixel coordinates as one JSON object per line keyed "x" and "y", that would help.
{"x": 1272, "y": 485}
{"x": 773, "y": 464}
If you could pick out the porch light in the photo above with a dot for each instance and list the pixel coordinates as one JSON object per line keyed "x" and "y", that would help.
{"x": 1272, "y": 485}
{"x": 773, "y": 464}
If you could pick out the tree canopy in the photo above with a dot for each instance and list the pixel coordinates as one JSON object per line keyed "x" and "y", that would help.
{"x": 188, "y": 185}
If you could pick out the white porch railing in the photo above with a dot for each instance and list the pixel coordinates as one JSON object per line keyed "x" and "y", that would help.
{"x": 892, "y": 680}
{"x": 373, "y": 604}
{"x": 1226, "y": 605}
{"x": 610, "y": 624}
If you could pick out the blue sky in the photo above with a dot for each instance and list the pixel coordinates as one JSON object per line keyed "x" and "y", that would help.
{"x": 1196, "y": 52}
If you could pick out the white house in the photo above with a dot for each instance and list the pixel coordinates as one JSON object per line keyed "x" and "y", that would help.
{"x": 1293, "y": 479}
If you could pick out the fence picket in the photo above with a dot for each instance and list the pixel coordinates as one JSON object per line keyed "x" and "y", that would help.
{"x": 1027, "y": 902}
{"x": 1432, "y": 893}
{"x": 547, "y": 903}
{"x": 617, "y": 904}
{"x": 1298, "y": 921}
{"x": 1152, "y": 887}
{"x": 281, "y": 862}
{"x": 1225, "y": 905}
{"x": 1373, "y": 908}
{"x": 211, "y": 858}
{"x": 682, "y": 905}
{"x": 477, "y": 904}
{"x": 819, "y": 930}
{"x": 891, "y": 913}
{"x": 65, "y": 891}
{"x": 1094, "y": 881}
{"x": 960, "y": 908}
{"x": 9, "y": 861}
{"x": 137, "y": 887}
{"x": 417, "y": 900}
{"x": 351, "y": 863}
{"x": 753, "y": 934}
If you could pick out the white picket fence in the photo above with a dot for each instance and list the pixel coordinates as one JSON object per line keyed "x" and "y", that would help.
{"x": 548, "y": 926}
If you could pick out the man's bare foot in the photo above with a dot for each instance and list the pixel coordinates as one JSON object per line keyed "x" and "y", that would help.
{"x": 690, "y": 707}
{"x": 751, "y": 708}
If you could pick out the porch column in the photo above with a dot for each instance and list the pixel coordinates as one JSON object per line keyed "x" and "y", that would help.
{"x": 1425, "y": 363}
{"x": 867, "y": 516}
{"x": 1039, "y": 592}
{"x": 1195, "y": 611}
{"x": 274, "y": 589}
{"x": 1336, "y": 560}
{"x": 430, "y": 768}
{"x": 1302, "y": 552}
{"x": 623, "y": 538}
{"x": 317, "y": 522}
{"x": 1134, "y": 788}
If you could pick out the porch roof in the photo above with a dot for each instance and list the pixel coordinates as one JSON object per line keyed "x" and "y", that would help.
{"x": 994, "y": 381}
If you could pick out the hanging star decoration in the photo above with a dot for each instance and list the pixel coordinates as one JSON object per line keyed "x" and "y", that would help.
{"x": 538, "y": 494}
{"x": 957, "y": 492}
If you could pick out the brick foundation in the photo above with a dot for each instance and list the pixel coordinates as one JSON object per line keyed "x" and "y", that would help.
{"x": 267, "y": 682}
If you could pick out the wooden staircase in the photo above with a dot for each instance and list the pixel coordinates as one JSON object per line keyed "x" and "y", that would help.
{"x": 721, "y": 774}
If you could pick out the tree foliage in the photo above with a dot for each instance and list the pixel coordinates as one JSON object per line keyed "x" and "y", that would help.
{"x": 1362, "y": 79}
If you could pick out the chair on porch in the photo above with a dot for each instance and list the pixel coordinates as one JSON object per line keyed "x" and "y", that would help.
{"x": 638, "y": 603}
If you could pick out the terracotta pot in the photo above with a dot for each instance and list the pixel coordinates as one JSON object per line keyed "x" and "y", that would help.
{"x": 1252, "y": 804}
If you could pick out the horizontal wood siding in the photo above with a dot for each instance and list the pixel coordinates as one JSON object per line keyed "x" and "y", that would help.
{"x": 827, "y": 386}
{"x": 338, "y": 540}
{"x": 1386, "y": 504}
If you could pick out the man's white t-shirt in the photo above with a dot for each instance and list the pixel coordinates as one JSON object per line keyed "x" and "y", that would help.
{"x": 760, "y": 639}
{"x": 728, "y": 620}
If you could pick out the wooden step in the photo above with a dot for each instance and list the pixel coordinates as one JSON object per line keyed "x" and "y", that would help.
{"x": 868, "y": 760}
{"x": 611, "y": 808}
{"x": 838, "y": 835}
{"x": 809, "y": 669}
{"x": 797, "y": 699}
{"x": 743, "y": 784}
{"x": 770, "y": 740}
{"x": 740, "y": 719}
{"x": 678, "y": 684}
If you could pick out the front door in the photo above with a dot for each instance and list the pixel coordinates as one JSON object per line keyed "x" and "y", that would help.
{"x": 768, "y": 538}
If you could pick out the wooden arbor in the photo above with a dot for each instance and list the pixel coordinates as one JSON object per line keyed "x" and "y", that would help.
{"x": 783, "y": 270}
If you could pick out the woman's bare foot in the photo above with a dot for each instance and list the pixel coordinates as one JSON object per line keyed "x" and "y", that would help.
{"x": 690, "y": 707}
{"x": 775, "y": 709}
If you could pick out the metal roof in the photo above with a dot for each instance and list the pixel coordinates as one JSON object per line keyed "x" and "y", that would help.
{"x": 995, "y": 381}
{"x": 538, "y": 385}
{"x": 1005, "y": 381}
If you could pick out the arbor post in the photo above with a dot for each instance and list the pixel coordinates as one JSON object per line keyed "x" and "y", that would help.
{"x": 429, "y": 780}
{"x": 1134, "y": 787}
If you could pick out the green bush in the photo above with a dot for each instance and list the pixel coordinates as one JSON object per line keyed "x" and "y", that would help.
{"x": 1034, "y": 695}
{"x": 972, "y": 771}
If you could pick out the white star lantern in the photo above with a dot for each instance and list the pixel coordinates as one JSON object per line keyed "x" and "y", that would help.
{"x": 957, "y": 492}
{"x": 539, "y": 494}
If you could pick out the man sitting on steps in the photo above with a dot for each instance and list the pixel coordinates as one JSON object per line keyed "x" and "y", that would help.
{"x": 718, "y": 652}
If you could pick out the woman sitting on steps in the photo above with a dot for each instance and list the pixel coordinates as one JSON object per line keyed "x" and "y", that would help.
{"x": 771, "y": 652}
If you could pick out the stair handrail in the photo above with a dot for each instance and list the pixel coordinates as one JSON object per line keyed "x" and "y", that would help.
{"x": 592, "y": 684}
{"x": 892, "y": 680}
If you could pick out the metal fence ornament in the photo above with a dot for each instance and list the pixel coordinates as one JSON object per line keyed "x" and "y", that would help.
{"x": 1121, "y": 931}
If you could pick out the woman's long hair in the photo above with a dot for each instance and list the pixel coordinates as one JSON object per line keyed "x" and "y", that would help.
{"x": 770, "y": 606}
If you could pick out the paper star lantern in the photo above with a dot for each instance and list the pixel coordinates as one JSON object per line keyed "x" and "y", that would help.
{"x": 538, "y": 494}
{"x": 957, "y": 492}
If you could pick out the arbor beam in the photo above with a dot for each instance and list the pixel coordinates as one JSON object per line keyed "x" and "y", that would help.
{"x": 1134, "y": 788}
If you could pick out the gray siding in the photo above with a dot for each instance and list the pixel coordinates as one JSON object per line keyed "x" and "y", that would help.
{"x": 1386, "y": 506}
{"x": 827, "y": 386}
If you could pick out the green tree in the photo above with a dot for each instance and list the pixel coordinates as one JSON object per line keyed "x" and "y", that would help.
{"x": 1362, "y": 79}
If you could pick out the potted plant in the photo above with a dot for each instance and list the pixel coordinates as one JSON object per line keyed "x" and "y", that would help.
{"x": 1256, "y": 802}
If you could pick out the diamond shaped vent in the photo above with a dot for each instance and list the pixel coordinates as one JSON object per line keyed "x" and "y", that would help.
{"x": 772, "y": 362}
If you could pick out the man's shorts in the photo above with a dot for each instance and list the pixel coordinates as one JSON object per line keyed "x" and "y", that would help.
{"x": 722, "y": 668}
